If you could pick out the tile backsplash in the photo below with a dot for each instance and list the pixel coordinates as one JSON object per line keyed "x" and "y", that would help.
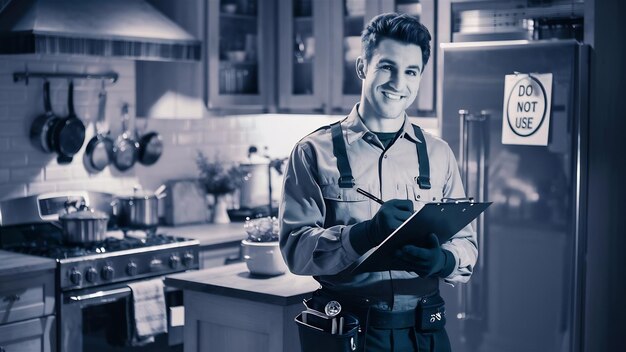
{"x": 25, "y": 170}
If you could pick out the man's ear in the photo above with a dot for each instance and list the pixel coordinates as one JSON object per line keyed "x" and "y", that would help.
{"x": 360, "y": 67}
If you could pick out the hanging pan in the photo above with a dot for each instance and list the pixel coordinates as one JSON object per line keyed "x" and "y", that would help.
{"x": 99, "y": 151}
{"x": 150, "y": 147}
{"x": 125, "y": 148}
{"x": 68, "y": 134}
{"x": 41, "y": 129}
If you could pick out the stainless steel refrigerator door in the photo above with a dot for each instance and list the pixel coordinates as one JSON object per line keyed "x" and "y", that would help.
{"x": 523, "y": 294}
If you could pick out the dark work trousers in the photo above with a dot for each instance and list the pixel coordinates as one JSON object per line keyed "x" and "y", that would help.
{"x": 401, "y": 340}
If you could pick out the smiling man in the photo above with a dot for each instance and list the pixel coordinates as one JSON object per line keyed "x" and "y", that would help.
{"x": 326, "y": 224}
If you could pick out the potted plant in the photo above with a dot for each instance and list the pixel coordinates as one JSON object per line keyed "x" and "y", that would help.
{"x": 219, "y": 179}
{"x": 260, "y": 250}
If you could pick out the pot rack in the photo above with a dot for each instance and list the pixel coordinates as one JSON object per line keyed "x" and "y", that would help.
{"x": 26, "y": 75}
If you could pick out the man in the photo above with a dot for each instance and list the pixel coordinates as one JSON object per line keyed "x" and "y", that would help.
{"x": 326, "y": 225}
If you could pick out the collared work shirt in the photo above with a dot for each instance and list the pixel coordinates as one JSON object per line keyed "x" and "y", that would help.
{"x": 316, "y": 215}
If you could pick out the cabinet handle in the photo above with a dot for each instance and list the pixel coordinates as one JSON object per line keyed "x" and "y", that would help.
{"x": 11, "y": 298}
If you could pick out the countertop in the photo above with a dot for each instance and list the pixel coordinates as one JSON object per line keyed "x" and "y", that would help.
{"x": 16, "y": 263}
{"x": 236, "y": 281}
{"x": 208, "y": 234}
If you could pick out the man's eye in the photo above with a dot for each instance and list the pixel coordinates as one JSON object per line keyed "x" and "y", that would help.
{"x": 411, "y": 73}
{"x": 387, "y": 67}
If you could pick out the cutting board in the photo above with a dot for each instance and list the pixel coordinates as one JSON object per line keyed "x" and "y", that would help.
{"x": 185, "y": 203}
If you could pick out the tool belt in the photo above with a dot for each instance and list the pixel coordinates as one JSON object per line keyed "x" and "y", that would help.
{"x": 428, "y": 315}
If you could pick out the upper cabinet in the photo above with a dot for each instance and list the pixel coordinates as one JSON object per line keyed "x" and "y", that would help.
{"x": 240, "y": 54}
{"x": 273, "y": 55}
{"x": 319, "y": 42}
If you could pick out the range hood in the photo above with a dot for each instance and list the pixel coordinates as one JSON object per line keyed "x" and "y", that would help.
{"x": 110, "y": 28}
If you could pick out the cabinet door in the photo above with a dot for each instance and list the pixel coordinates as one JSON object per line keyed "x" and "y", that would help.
{"x": 348, "y": 18}
{"x": 28, "y": 335}
{"x": 240, "y": 54}
{"x": 303, "y": 54}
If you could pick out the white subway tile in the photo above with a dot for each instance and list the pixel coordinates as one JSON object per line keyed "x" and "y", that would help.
{"x": 40, "y": 187}
{"x": 189, "y": 138}
{"x": 53, "y": 173}
{"x": 12, "y": 190}
{"x": 5, "y": 143}
{"x": 4, "y": 175}
{"x": 26, "y": 174}
{"x": 10, "y": 159}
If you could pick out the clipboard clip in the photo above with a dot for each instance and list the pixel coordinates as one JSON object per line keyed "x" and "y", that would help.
{"x": 457, "y": 200}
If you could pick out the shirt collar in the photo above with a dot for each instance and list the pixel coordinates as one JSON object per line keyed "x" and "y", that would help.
{"x": 356, "y": 129}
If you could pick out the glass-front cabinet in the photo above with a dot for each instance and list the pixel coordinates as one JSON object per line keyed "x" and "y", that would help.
{"x": 240, "y": 52}
{"x": 319, "y": 42}
{"x": 304, "y": 55}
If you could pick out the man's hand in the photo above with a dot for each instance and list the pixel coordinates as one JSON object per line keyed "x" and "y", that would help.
{"x": 427, "y": 260}
{"x": 371, "y": 233}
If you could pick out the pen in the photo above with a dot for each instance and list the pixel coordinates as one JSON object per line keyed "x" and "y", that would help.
{"x": 370, "y": 196}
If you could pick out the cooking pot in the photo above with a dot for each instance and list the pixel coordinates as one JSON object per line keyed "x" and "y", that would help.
{"x": 84, "y": 225}
{"x": 139, "y": 211}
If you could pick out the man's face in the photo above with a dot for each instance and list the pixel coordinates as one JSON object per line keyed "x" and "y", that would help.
{"x": 392, "y": 78}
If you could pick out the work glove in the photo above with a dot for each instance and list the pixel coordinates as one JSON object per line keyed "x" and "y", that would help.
{"x": 371, "y": 233}
{"x": 427, "y": 260}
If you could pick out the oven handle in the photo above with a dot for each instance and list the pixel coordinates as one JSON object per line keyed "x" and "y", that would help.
{"x": 101, "y": 294}
{"x": 122, "y": 291}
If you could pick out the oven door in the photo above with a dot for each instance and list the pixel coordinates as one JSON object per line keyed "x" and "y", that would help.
{"x": 98, "y": 319}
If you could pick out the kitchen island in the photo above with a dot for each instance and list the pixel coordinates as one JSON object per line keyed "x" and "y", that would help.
{"x": 228, "y": 309}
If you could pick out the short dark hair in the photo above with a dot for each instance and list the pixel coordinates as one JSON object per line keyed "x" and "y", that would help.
{"x": 402, "y": 27}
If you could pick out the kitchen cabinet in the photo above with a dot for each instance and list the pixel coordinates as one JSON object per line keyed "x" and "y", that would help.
{"x": 227, "y": 309}
{"x": 240, "y": 54}
{"x": 297, "y": 56}
{"x": 27, "y": 321}
{"x": 28, "y": 335}
{"x": 319, "y": 42}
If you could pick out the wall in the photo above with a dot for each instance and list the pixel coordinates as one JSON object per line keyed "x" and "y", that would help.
{"x": 25, "y": 170}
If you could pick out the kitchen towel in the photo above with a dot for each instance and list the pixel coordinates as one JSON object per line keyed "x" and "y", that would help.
{"x": 148, "y": 311}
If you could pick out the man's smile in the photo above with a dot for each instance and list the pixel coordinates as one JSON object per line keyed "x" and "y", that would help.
{"x": 393, "y": 96}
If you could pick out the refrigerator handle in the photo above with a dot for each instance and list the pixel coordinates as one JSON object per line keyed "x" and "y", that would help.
{"x": 471, "y": 303}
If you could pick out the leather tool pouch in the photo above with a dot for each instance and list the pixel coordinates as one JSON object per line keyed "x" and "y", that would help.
{"x": 313, "y": 339}
{"x": 431, "y": 314}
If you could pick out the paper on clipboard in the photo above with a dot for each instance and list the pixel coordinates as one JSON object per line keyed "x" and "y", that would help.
{"x": 442, "y": 219}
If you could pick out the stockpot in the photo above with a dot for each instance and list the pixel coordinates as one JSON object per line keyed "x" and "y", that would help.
{"x": 84, "y": 225}
{"x": 139, "y": 211}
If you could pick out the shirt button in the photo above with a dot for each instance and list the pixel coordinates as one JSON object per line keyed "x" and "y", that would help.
{"x": 418, "y": 196}
{"x": 385, "y": 156}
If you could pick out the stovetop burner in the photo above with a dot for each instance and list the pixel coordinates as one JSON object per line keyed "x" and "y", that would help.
{"x": 54, "y": 248}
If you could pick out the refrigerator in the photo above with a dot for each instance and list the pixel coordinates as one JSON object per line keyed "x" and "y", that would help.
{"x": 525, "y": 293}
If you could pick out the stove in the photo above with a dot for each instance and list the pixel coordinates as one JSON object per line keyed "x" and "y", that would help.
{"x": 27, "y": 228}
{"x": 91, "y": 279}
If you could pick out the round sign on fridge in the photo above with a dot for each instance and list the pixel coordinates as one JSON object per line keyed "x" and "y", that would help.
{"x": 526, "y": 106}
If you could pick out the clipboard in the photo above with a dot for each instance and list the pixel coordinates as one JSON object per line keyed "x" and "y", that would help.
{"x": 443, "y": 219}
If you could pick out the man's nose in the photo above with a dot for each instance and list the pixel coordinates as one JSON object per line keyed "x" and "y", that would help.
{"x": 397, "y": 81}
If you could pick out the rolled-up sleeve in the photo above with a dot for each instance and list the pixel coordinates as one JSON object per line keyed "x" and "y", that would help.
{"x": 463, "y": 245}
{"x": 307, "y": 247}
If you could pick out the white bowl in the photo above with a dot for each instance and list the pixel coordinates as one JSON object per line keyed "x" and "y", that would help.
{"x": 263, "y": 258}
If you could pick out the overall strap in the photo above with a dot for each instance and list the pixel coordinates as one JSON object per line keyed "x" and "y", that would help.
{"x": 339, "y": 150}
{"x": 423, "y": 180}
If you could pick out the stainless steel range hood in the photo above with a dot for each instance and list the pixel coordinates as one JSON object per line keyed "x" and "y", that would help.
{"x": 111, "y": 28}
